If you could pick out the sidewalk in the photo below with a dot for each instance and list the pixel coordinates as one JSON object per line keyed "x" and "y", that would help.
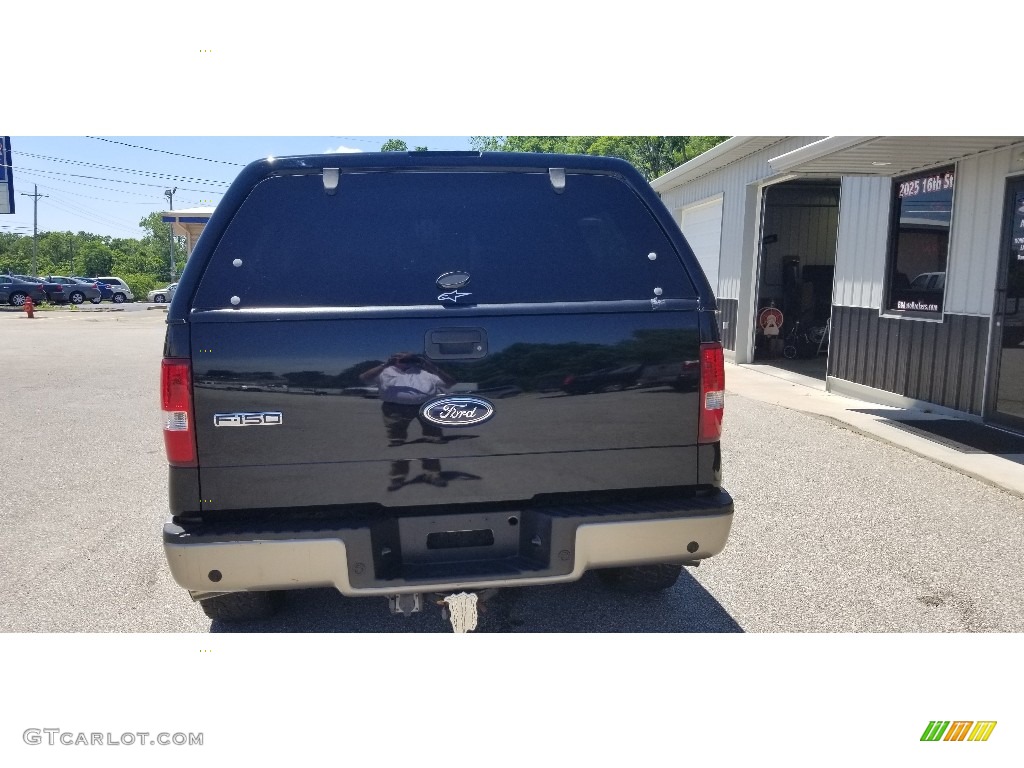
{"x": 802, "y": 393}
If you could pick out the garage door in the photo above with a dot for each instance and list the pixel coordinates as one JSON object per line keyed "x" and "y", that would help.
{"x": 702, "y": 226}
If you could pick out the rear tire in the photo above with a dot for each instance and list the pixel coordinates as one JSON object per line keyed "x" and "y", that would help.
{"x": 97, "y": 300}
{"x": 241, "y": 606}
{"x": 159, "y": 298}
{"x": 118, "y": 298}
{"x": 641, "y": 578}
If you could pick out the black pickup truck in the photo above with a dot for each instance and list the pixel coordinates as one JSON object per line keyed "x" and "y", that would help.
{"x": 412, "y": 279}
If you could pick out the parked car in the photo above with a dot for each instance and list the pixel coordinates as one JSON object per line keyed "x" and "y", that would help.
{"x": 72, "y": 291}
{"x": 14, "y": 290}
{"x": 121, "y": 291}
{"x": 929, "y": 281}
{"x": 105, "y": 290}
{"x": 161, "y": 295}
{"x": 50, "y": 290}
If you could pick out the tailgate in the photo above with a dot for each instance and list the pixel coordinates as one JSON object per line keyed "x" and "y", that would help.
{"x": 283, "y": 418}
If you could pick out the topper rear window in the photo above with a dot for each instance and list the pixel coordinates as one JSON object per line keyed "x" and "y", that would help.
{"x": 384, "y": 238}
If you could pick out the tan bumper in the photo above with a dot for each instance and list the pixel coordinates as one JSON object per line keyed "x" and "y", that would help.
{"x": 256, "y": 565}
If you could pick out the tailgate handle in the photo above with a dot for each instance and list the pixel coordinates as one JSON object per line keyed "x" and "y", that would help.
{"x": 456, "y": 344}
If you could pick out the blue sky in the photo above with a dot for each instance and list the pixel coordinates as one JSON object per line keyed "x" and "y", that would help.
{"x": 106, "y": 184}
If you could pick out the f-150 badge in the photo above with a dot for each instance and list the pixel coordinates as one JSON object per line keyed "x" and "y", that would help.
{"x": 246, "y": 419}
{"x": 457, "y": 411}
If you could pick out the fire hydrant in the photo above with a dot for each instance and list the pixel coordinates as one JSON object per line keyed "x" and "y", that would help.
{"x": 29, "y": 307}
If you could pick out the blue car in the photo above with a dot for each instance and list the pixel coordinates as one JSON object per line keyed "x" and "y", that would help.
{"x": 106, "y": 292}
{"x": 14, "y": 291}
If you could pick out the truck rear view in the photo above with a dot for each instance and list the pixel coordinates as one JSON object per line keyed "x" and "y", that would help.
{"x": 427, "y": 376}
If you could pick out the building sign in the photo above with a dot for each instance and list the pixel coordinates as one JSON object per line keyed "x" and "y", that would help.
{"x": 916, "y": 306}
{"x": 6, "y": 177}
{"x": 919, "y": 242}
{"x": 1018, "y": 227}
{"x": 924, "y": 185}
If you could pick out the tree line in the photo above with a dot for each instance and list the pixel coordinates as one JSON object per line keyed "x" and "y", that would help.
{"x": 144, "y": 263}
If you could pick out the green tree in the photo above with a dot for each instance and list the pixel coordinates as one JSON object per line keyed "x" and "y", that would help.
{"x": 653, "y": 156}
{"x": 95, "y": 258}
{"x": 394, "y": 145}
{"x": 15, "y": 258}
{"x": 157, "y": 243}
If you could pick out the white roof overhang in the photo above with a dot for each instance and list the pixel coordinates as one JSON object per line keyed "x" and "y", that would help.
{"x": 884, "y": 155}
{"x": 188, "y": 223}
{"x": 719, "y": 156}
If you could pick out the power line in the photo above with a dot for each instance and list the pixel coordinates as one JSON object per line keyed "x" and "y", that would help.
{"x": 117, "y": 181}
{"x": 165, "y": 151}
{"x": 23, "y": 172}
{"x": 94, "y": 219}
{"x": 156, "y": 174}
{"x": 102, "y": 199}
{"x": 70, "y": 207}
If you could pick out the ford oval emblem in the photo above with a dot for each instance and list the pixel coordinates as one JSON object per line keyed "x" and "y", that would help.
{"x": 449, "y": 281}
{"x": 457, "y": 410}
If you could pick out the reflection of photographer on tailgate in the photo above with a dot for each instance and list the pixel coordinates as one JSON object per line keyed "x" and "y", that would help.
{"x": 405, "y": 382}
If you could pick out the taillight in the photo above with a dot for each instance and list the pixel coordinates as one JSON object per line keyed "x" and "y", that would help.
{"x": 176, "y": 402}
{"x": 712, "y": 392}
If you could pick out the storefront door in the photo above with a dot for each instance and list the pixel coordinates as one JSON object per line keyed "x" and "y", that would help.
{"x": 1009, "y": 308}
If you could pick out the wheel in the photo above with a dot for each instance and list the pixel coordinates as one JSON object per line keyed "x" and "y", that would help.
{"x": 641, "y": 578}
{"x": 17, "y": 299}
{"x": 790, "y": 352}
{"x": 97, "y": 300}
{"x": 118, "y": 298}
{"x": 76, "y": 297}
{"x": 241, "y": 606}
{"x": 159, "y": 298}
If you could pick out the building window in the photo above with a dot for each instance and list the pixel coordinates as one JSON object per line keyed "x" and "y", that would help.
{"x": 919, "y": 242}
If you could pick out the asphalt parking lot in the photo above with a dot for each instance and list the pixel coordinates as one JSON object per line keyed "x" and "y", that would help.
{"x": 834, "y": 531}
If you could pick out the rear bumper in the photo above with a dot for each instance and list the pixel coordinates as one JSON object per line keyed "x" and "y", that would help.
{"x": 447, "y": 552}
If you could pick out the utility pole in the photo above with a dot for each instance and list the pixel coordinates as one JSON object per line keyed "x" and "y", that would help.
{"x": 35, "y": 226}
{"x": 169, "y": 194}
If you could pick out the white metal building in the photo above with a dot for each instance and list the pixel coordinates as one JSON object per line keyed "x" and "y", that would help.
{"x": 909, "y": 249}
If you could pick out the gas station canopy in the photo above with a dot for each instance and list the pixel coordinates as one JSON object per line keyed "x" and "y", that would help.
{"x": 188, "y": 223}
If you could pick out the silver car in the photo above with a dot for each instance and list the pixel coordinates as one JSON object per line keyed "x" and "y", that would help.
{"x": 161, "y": 295}
{"x": 74, "y": 291}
